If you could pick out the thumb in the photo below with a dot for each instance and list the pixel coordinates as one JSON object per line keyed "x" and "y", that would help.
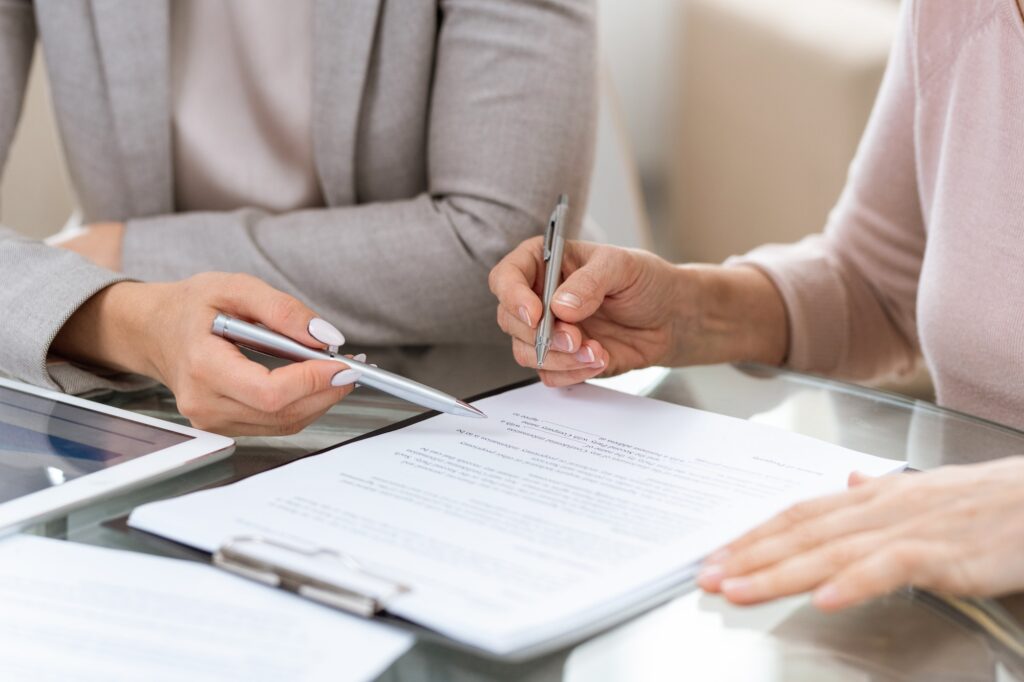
{"x": 607, "y": 272}
{"x": 255, "y": 300}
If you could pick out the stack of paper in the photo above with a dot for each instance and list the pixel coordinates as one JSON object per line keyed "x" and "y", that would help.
{"x": 75, "y": 612}
{"x": 561, "y": 510}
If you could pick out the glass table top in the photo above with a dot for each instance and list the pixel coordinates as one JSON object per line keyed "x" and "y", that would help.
{"x": 907, "y": 636}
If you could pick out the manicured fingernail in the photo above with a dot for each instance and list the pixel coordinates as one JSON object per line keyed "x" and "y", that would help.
{"x": 827, "y": 596}
{"x": 345, "y": 377}
{"x": 569, "y": 299}
{"x": 563, "y": 342}
{"x": 710, "y": 576}
{"x": 585, "y": 355}
{"x": 360, "y": 358}
{"x": 325, "y": 332}
{"x": 741, "y": 588}
{"x": 524, "y": 315}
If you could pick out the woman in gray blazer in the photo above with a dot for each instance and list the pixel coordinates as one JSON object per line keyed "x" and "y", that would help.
{"x": 371, "y": 159}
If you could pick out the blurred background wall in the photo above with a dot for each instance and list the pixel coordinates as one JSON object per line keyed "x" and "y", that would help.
{"x": 35, "y": 194}
{"x": 724, "y": 124}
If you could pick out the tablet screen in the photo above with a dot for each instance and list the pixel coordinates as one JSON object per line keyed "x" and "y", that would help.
{"x": 44, "y": 443}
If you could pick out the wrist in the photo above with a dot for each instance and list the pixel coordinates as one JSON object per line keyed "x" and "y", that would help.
{"x": 740, "y": 315}
{"x": 109, "y": 330}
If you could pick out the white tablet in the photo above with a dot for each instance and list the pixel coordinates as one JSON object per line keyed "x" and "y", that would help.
{"x": 58, "y": 452}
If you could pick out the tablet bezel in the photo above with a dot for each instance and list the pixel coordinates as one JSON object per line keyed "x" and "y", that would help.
{"x": 49, "y": 503}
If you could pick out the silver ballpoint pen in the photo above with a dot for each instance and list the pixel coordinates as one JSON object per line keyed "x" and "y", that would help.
{"x": 554, "y": 245}
{"x": 277, "y": 345}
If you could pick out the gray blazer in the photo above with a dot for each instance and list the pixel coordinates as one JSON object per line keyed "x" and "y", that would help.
{"x": 443, "y": 133}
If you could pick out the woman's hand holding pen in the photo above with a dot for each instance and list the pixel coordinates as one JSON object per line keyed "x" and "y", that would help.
{"x": 164, "y": 331}
{"x": 621, "y": 309}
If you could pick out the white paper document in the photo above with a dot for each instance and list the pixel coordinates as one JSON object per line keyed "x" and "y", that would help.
{"x": 562, "y": 508}
{"x": 75, "y": 612}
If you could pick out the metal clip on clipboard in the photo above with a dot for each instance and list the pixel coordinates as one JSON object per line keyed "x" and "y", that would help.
{"x": 322, "y": 575}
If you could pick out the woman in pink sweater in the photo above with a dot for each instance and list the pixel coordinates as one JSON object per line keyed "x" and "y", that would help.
{"x": 923, "y": 255}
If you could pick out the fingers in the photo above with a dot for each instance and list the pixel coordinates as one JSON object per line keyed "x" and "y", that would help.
{"x": 797, "y": 514}
{"x": 590, "y": 355}
{"x": 891, "y": 567}
{"x": 802, "y": 538}
{"x": 231, "y": 418}
{"x": 512, "y": 280}
{"x": 569, "y": 378}
{"x": 607, "y": 272}
{"x": 801, "y": 573}
{"x": 565, "y": 338}
{"x": 225, "y": 390}
{"x": 253, "y": 299}
{"x": 270, "y": 391}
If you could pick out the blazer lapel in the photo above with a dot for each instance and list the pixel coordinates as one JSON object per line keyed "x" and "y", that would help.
{"x": 343, "y": 36}
{"x": 133, "y": 40}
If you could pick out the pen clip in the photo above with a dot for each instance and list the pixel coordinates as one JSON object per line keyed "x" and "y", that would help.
{"x": 549, "y": 236}
{"x": 323, "y": 575}
{"x": 557, "y": 216}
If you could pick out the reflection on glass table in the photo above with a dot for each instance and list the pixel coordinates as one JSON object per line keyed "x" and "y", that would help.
{"x": 907, "y": 636}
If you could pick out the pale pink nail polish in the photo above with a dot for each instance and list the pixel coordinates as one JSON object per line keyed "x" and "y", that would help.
{"x": 563, "y": 342}
{"x": 359, "y": 358}
{"x": 325, "y": 332}
{"x": 344, "y": 378}
{"x": 741, "y": 588}
{"x": 524, "y": 315}
{"x": 570, "y": 299}
{"x": 585, "y": 355}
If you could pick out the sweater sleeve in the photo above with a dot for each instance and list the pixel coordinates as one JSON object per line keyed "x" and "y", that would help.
{"x": 850, "y": 292}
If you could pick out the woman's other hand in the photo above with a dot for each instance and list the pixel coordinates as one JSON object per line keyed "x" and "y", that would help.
{"x": 956, "y": 529}
{"x": 163, "y": 331}
{"x": 620, "y": 309}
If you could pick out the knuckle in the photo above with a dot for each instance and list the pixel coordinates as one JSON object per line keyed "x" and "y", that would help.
{"x": 288, "y": 428}
{"x": 502, "y": 317}
{"x": 840, "y": 555}
{"x": 237, "y": 282}
{"x": 521, "y": 354}
{"x": 189, "y": 406}
{"x": 494, "y": 277}
{"x": 267, "y": 399}
{"x": 905, "y": 558}
{"x": 282, "y": 310}
{"x": 796, "y": 513}
{"x": 586, "y": 282}
{"x": 315, "y": 379}
{"x": 287, "y": 417}
{"x": 804, "y": 535}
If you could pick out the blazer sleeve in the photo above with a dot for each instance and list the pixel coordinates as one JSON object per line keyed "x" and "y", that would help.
{"x": 511, "y": 125}
{"x": 40, "y": 286}
{"x": 851, "y": 292}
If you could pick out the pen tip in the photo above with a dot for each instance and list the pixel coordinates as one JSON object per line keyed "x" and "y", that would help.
{"x": 470, "y": 411}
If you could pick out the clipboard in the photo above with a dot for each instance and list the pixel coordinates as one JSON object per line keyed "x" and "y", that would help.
{"x": 338, "y": 581}
{"x": 334, "y": 579}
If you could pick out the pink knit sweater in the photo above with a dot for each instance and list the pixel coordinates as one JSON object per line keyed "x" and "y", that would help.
{"x": 924, "y": 252}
